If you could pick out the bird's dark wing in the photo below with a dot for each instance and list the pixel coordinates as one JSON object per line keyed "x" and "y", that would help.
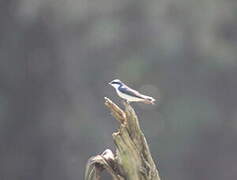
{"x": 129, "y": 91}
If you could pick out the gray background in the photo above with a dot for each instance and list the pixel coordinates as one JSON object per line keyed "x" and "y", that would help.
{"x": 57, "y": 56}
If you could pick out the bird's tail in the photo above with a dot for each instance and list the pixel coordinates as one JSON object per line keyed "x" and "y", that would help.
{"x": 149, "y": 100}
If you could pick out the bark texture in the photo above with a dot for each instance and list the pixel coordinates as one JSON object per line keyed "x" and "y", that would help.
{"x": 132, "y": 159}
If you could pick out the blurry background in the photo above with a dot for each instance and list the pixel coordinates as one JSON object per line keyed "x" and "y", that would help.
{"x": 57, "y": 56}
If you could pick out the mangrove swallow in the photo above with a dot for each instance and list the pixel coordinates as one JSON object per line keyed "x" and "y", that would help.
{"x": 129, "y": 94}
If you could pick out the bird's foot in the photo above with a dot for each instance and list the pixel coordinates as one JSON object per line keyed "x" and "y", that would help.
{"x": 125, "y": 102}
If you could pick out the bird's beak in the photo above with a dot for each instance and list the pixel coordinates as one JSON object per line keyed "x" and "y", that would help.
{"x": 109, "y": 83}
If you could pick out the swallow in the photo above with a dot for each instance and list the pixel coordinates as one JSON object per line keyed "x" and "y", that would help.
{"x": 129, "y": 94}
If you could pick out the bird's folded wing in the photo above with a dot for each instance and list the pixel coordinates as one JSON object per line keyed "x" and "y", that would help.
{"x": 131, "y": 92}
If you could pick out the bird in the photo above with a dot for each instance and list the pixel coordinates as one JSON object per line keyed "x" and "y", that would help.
{"x": 129, "y": 94}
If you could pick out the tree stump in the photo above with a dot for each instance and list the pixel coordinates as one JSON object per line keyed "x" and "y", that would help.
{"x": 132, "y": 160}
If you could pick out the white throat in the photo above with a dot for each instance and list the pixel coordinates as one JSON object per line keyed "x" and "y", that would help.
{"x": 116, "y": 86}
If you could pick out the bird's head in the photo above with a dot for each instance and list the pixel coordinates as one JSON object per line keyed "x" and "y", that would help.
{"x": 116, "y": 83}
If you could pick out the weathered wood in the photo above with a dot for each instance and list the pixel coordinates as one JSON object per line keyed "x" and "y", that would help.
{"x": 133, "y": 160}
